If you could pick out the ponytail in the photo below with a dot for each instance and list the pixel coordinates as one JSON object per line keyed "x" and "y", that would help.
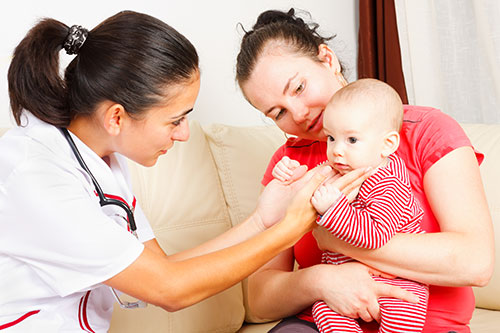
{"x": 34, "y": 80}
{"x": 130, "y": 59}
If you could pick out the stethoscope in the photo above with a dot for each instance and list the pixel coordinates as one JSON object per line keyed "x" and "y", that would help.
{"x": 103, "y": 201}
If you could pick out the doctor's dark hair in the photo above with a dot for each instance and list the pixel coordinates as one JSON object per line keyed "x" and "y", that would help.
{"x": 130, "y": 59}
{"x": 286, "y": 29}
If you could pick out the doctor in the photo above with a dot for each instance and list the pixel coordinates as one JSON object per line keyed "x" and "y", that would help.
{"x": 71, "y": 227}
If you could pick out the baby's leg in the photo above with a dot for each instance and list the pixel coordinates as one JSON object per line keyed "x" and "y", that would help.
{"x": 328, "y": 320}
{"x": 402, "y": 316}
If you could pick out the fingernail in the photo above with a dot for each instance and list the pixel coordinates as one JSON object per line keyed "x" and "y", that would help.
{"x": 325, "y": 170}
{"x": 368, "y": 169}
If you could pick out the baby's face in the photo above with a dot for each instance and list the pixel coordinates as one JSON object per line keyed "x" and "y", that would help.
{"x": 355, "y": 138}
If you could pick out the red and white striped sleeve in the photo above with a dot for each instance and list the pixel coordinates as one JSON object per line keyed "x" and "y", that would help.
{"x": 371, "y": 222}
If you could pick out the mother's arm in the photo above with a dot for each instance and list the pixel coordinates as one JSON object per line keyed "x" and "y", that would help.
{"x": 276, "y": 290}
{"x": 462, "y": 254}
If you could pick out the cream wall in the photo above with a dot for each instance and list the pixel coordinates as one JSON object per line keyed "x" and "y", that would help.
{"x": 210, "y": 25}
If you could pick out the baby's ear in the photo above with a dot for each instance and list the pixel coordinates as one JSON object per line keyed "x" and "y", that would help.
{"x": 391, "y": 143}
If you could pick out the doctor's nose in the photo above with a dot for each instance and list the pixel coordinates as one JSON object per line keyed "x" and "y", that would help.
{"x": 181, "y": 132}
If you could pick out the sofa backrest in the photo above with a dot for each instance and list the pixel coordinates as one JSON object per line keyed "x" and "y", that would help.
{"x": 486, "y": 139}
{"x": 183, "y": 198}
{"x": 198, "y": 190}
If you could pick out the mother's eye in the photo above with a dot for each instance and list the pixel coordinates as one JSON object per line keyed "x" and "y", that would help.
{"x": 300, "y": 88}
{"x": 280, "y": 114}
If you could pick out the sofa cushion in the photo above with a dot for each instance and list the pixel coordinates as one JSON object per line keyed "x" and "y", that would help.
{"x": 486, "y": 139}
{"x": 183, "y": 200}
{"x": 241, "y": 155}
{"x": 182, "y": 193}
{"x": 485, "y": 321}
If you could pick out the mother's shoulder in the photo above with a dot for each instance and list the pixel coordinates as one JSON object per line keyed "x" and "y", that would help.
{"x": 423, "y": 116}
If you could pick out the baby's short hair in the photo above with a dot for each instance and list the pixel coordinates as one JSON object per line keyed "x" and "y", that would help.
{"x": 377, "y": 93}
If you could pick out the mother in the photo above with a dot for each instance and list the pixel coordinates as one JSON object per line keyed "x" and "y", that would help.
{"x": 286, "y": 70}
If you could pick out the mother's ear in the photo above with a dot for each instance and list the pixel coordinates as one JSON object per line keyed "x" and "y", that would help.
{"x": 328, "y": 57}
{"x": 391, "y": 143}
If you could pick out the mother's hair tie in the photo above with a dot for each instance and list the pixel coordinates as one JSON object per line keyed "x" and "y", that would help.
{"x": 75, "y": 39}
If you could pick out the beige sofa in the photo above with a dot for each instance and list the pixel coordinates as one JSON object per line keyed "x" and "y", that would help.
{"x": 204, "y": 186}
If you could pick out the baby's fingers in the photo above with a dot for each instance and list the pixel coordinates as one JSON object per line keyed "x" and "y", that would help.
{"x": 281, "y": 174}
{"x": 298, "y": 172}
{"x": 292, "y": 164}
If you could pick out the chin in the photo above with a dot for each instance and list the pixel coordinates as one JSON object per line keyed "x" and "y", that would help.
{"x": 147, "y": 163}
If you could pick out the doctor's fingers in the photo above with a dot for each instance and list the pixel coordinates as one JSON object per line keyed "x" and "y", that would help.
{"x": 350, "y": 183}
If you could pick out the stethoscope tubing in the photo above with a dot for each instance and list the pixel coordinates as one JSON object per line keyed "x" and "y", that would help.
{"x": 103, "y": 201}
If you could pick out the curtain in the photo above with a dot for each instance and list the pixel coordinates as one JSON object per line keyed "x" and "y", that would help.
{"x": 379, "y": 53}
{"x": 451, "y": 56}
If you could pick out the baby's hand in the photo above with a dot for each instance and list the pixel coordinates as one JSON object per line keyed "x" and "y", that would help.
{"x": 324, "y": 197}
{"x": 287, "y": 170}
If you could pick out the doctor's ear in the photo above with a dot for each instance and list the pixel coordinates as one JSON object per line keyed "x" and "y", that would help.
{"x": 114, "y": 116}
{"x": 391, "y": 143}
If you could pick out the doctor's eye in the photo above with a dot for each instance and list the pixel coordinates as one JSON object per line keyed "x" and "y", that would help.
{"x": 352, "y": 139}
{"x": 178, "y": 121}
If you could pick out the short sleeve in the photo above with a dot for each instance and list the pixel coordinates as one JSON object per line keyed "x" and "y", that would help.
{"x": 433, "y": 134}
{"x": 144, "y": 230}
{"x": 64, "y": 236}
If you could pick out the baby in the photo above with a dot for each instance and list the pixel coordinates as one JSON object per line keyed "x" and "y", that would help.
{"x": 362, "y": 123}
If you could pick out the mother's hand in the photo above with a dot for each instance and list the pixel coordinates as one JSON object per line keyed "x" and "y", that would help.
{"x": 276, "y": 196}
{"x": 350, "y": 290}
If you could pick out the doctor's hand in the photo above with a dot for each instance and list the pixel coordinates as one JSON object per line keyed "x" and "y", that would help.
{"x": 277, "y": 197}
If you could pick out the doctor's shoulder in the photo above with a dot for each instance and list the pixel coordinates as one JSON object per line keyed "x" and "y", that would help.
{"x": 24, "y": 158}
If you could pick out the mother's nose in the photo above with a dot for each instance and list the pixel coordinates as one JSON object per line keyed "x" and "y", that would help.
{"x": 299, "y": 112}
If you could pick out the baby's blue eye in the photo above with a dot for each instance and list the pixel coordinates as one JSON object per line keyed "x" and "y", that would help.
{"x": 331, "y": 138}
{"x": 352, "y": 140}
